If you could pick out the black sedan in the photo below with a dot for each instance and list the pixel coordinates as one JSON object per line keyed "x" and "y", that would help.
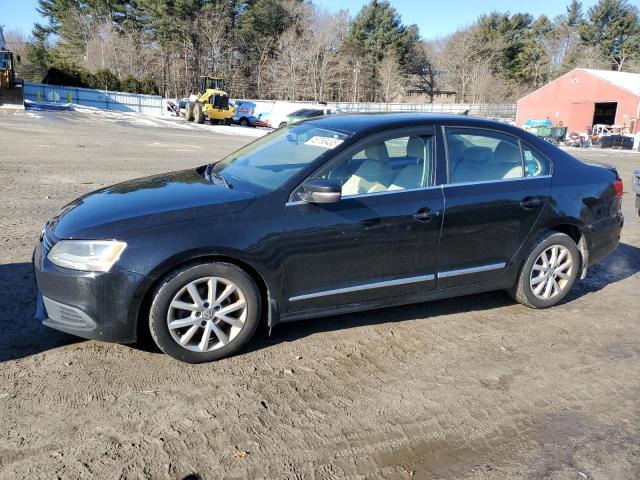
{"x": 333, "y": 215}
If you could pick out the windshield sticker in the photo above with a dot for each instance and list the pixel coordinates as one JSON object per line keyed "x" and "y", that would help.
{"x": 324, "y": 142}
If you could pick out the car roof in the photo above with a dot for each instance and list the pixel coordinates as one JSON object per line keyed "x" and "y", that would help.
{"x": 372, "y": 122}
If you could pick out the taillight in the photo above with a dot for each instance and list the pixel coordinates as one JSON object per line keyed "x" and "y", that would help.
{"x": 619, "y": 187}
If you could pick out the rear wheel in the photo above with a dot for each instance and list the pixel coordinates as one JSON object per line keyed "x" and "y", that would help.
{"x": 198, "y": 113}
{"x": 244, "y": 122}
{"x": 188, "y": 112}
{"x": 283, "y": 124}
{"x": 549, "y": 273}
{"x": 204, "y": 312}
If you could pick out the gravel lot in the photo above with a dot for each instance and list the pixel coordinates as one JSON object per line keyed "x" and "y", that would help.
{"x": 469, "y": 388}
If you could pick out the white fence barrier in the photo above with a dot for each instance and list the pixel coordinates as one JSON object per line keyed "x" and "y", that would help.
{"x": 507, "y": 110}
{"x": 103, "y": 99}
{"x": 278, "y": 110}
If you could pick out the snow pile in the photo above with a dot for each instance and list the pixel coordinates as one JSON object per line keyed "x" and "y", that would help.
{"x": 140, "y": 120}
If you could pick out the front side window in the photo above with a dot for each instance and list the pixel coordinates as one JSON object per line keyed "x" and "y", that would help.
{"x": 270, "y": 161}
{"x": 477, "y": 155}
{"x": 397, "y": 163}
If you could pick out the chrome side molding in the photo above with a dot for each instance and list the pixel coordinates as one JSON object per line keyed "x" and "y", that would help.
{"x": 365, "y": 286}
{"x": 465, "y": 271}
{"x": 400, "y": 281}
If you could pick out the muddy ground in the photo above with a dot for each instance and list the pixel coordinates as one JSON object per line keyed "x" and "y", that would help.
{"x": 469, "y": 388}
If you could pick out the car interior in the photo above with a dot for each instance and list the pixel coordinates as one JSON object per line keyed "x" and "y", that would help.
{"x": 395, "y": 164}
{"x": 477, "y": 158}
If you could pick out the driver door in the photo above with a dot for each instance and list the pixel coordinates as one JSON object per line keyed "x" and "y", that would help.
{"x": 381, "y": 239}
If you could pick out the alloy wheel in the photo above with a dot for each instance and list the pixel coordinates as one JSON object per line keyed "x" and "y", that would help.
{"x": 207, "y": 314}
{"x": 551, "y": 272}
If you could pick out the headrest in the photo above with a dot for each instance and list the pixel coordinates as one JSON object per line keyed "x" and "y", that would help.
{"x": 477, "y": 154}
{"x": 507, "y": 153}
{"x": 415, "y": 148}
{"x": 377, "y": 152}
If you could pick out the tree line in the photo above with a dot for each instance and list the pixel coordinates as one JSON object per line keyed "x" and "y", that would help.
{"x": 294, "y": 50}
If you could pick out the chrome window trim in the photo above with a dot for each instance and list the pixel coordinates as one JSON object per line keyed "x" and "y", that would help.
{"x": 364, "y": 286}
{"x": 466, "y": 271}
{"x": 499, "y": 180}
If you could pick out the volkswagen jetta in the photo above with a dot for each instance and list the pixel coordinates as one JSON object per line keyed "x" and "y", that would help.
{"x": 333, "y": 215}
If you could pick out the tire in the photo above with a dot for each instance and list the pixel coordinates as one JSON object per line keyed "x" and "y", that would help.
{"x": 244, "y": 122}
{"x": 283, "y": 124}
{"x": 535, "y": 286}
{"x": 194, "y": 322}
{"x": 198, "y": 113}
{"x": 227, "y": 121}
{"x": 188, "y": 112}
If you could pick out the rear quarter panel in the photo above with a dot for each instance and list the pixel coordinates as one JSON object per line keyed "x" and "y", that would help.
{"x": 583, "y": 195}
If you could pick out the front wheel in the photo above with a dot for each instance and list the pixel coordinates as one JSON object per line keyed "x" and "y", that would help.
{"x": 198, "y": 113}
{"x": 549, "y": 272}
{"x": 204, "y": 312}
{"x": 188, "y": 112}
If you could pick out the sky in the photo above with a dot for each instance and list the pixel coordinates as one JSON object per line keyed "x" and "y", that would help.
{"x": 435, "y": 18}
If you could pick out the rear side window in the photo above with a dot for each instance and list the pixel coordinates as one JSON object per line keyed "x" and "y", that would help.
{"x": 477, "y": 155}
{"x": 534, "y": 163}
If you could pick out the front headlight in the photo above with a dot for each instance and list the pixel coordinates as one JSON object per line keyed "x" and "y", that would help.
{"x": 86, "y": 255}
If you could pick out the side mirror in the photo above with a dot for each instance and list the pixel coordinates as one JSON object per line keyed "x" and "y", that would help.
{"x": 320, "y": 190}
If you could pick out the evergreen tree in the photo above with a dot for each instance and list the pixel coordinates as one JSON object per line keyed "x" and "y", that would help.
{"x": 613, "y": 27}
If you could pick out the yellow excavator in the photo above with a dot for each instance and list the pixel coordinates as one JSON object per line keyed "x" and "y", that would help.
{"x": 211, "y": 102}
{"x": 11, "y": 88}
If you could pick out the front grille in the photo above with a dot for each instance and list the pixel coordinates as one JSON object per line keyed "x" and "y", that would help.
{"x": 221, "y": 101}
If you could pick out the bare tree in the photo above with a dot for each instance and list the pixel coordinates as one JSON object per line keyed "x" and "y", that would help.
{"x": 391, "y": 78}
{"x": 423, "y": 70}
{"x": 468, "y": 64}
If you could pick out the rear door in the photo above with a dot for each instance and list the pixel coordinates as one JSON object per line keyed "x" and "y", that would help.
{"x": 495, "y": 192}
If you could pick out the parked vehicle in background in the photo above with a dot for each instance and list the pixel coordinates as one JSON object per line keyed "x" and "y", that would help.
{"x": 333, "y": 215}
{"x": 210, "y": 103}
{"x": 260, "y": 120}
{"x": 636, "y": 188}
{"x": 244, "y": 111}
{"x": 304, "y": 114}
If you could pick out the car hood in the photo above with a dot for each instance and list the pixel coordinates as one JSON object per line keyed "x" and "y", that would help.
{"x": 146, "y": 202}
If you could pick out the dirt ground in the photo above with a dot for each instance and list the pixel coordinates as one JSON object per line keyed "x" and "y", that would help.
{"x": 469, "y": 388}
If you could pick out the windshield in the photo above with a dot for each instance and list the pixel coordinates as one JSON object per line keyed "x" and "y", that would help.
{"x": 272, "y": 160}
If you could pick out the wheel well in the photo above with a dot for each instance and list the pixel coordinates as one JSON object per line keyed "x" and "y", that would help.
{"x": 577, "y": 236}
{"x": 142, "y": 327}
{"x": 571, "y": 230}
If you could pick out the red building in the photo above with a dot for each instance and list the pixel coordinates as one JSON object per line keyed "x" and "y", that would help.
{"x": 583, "y": 97}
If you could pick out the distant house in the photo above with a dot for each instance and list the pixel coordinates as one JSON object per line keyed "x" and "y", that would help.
{"x": 583, "y": 98}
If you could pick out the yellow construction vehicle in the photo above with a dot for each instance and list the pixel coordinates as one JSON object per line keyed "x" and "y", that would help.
{"x": 211, "y": 102}
{"x": 11, "y": 88}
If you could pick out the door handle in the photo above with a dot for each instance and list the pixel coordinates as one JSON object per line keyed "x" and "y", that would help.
{"x": 529, "y": 203}
{"x": 425, "y": 215}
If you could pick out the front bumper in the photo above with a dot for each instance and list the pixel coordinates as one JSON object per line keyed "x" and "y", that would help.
{"x": 99, "y": 306}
